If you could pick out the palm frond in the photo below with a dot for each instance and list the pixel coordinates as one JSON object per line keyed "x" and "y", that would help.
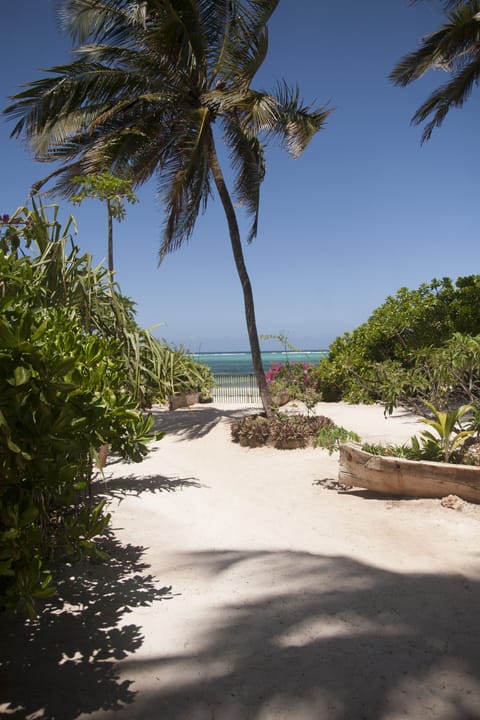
{"x": 449, "y": 48}
{"x": 148, "y": 80}
{"x": 455, "y": 47}
{"x": 452, "y": 94}
{"x": 293, "y": 122}
{"x": 70, "y": 91}
{"x": 245, "y": 42}
{"x": 447, "y": 4}
{"x": 100, "y": 20}
{"x": 248, "y": 161}
{"x": 184, "y": 183}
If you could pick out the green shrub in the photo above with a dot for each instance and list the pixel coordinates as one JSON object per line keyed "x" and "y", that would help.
{"x": 251, "y": 431}
{"x": 57, "y": 275}
{"x": 447, "y": 441}
{"x": 62, "y": 395}
{"x": 407, "y": 452}
{"x": 295, "y": 430}
{"x": 281, "y": 431}
{"x": 331, "y": 437}
{"x": 64, "y": 392}
{"x": 446, "y": 435}
{"x": 298, "y": 380}
{"x": 419, "y": 346}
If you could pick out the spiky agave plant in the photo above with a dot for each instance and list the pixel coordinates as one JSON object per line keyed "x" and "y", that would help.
{"x": 448, "y": 434}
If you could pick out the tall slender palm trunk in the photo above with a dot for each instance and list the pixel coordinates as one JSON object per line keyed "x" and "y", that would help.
{"x": 244, "y": 278}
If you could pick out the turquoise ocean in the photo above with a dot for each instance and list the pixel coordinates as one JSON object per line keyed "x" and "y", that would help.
{"x": 238, "y": 363}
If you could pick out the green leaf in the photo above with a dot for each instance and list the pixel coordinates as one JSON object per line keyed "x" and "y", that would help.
{"x": 13, "y": 446}
{"x": 43, "y": 593}
{"x": 7, "y": 337}
{"x": 21, "y": 375}
{"x": 3, "y": 421}
{"x": 28, "y": 516}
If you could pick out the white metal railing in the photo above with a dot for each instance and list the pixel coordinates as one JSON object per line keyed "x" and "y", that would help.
{"x": 236, "y": 389}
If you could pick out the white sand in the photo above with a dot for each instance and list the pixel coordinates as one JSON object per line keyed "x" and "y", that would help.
{"x": 287, "y": 599}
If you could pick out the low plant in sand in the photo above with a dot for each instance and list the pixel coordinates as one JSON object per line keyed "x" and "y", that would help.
{"x": 447, "y": 441}
{"x": 295, "y": 379}
{"x": 280, "y": 431}
{"x": 447, "y": 435}
{"x": 404, "y": 451}
{"x": 291, "y": 431}
{"x": 331, "y": 437}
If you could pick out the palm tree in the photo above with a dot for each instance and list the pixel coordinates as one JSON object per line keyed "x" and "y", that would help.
{"x": 455, "y": 47}
{"x": 113, "y": 191}
{"x": 151, "y": 83}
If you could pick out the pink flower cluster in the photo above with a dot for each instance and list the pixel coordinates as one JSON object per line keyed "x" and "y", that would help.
{"x": 5, "y": 220}
{"x": 293, "y": 373}
{"x": 275, "y": 369}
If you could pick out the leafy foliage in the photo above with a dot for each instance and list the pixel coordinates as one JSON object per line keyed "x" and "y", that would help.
{"x": 59, "y": 275}
{"x": 297, "y": 380}
{"x": 448, "y": 435}
{"x": 71, "y": 380}
{"x": 113, "y": 191}
{"x": 452, "y": 48}
{"x": 251, "y": 431}
{"x": 280, "y": 430}
{"x": 405, "y": 451}
{"x": 107, "y": 188}
{"x": 331, "y": 437}
{"x": 447, "y": 441}
{"x": 287, "y": 431}
{"x": 419, "y": 346}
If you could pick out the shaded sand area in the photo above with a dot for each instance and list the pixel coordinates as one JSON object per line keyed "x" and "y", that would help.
{"x": 244, "y": 584}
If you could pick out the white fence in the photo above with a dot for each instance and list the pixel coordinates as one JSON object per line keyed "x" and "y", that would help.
{"x": 236, "y": 389}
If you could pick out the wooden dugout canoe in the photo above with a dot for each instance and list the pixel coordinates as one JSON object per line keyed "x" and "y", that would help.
{"x": 407, "y": 478}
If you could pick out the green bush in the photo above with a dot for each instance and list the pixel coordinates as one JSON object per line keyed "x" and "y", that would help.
{"x": 63, "y": 393}
{"x": 405, "y": 451}
{"x": 419, "y": 346}
{"x": 288, "y": 431}
{"x": 446, "y": 440}
{"x": 58, "y": 275}
{"x": 280, "y": 431}
{"x": 331, "y": 437}
{"x": 298, "y": 380}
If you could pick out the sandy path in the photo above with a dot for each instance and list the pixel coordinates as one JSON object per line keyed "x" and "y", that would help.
{"x": 259, "y": 594}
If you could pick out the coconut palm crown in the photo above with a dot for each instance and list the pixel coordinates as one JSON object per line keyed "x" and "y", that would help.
{"x": 149, "y": 81}
{"x": 454, "y": 48}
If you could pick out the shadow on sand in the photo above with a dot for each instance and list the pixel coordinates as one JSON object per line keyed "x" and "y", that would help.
{"x": 138, "y": 484}
{"x": 65, "y": 663}
{"x": 196, "y": 421}
{"x": 316, "y": 638}
{"x": 331, "y": 639}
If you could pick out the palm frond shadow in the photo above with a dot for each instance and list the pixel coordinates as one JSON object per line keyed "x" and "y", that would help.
{"x": 138, "y": 484}
{"x": 195, "y": 422}
{"x": 329, "y": 637}
{"x": 64, "y": 664}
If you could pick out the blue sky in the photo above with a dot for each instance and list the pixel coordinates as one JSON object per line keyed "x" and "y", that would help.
{"x": 364, "y": 211}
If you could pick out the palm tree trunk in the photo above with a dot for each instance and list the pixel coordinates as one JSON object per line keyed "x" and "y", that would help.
{"x": 110, "y": 239}
{"x": 244, "y": 279}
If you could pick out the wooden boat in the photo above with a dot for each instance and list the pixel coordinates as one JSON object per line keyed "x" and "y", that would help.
{"x": 407, "y": 478}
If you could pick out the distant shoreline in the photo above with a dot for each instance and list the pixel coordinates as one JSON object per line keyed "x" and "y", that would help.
{"x": 238, "y": 363}
{"x": 247, "y": 352}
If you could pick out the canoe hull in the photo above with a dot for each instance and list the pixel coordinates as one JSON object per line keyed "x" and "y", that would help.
{"x": 407, "y": 478}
